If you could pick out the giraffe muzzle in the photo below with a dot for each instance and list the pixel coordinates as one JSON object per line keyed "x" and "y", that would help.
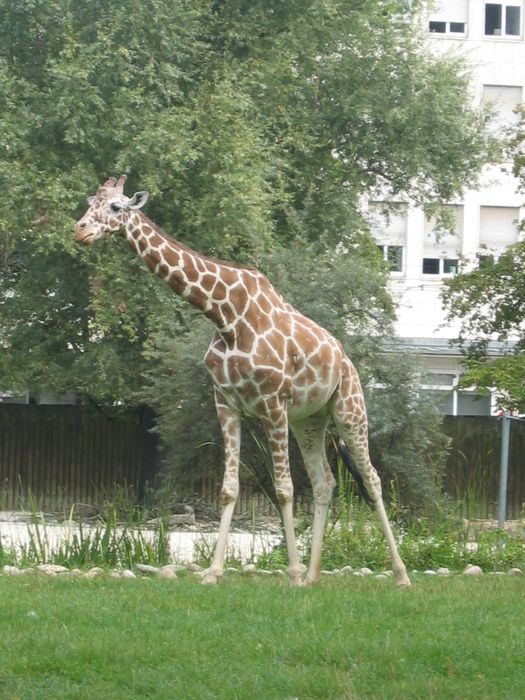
{"x": 83, "y": 234}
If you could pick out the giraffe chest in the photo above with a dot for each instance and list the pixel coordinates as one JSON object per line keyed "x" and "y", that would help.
{"x": 303, "y": 377}
{"x": 247, "y": 379}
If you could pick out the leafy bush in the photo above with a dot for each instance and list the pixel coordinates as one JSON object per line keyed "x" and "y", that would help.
{"x": 354, "y": 537}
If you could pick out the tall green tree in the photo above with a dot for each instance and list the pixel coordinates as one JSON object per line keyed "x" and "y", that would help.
{"x": 250, "y": 123}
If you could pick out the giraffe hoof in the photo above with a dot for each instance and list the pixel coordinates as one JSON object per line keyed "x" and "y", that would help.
{"x": 403, "y": 582}
{"x": 296, "y": 574}
{"x": 209, "y": 578}
{"x": 297, "y": 581}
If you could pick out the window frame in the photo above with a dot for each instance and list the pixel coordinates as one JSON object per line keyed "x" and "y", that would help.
{"x": 441, "y": 267}
{"x": 504, "y": 21}
{"x": 384, "y": 249}
{"x": 448, "y": 28}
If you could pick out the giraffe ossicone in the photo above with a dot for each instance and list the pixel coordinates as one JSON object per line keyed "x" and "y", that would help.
{"x": 267, "y": 361}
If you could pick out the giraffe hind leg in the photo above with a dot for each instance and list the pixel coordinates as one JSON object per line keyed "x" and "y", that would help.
{"x": 350, "y": 418}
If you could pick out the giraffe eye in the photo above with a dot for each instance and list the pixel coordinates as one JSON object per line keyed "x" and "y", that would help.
{"x": 115, "y": 207}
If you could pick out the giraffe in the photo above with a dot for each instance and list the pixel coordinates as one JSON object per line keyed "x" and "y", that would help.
{"x": 267, "y": 361}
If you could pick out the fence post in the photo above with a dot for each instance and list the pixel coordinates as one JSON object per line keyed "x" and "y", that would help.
{"x": 504, "y": 470}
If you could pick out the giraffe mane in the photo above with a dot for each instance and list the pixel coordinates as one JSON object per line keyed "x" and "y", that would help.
{"x": 187, "y": 248}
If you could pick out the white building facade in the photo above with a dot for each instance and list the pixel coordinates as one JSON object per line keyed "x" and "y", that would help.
{"x": 491, "y": 37}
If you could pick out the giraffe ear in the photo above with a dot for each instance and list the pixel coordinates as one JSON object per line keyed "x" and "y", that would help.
{"x": 138, "y": 200}
{"x": 90, "y": 200}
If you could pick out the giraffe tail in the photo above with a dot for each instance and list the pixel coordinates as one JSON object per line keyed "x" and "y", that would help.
{"x": 352, "y": 468}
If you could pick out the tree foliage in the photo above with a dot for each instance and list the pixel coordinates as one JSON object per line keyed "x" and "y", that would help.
{"x": 490, "y": 301}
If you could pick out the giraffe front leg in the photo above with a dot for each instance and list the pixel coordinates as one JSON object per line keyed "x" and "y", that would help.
{"x": 231, "y": 431}
{"x": 276, "y": 427}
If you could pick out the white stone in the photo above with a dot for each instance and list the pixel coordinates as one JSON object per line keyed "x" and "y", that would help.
{"x": 249, "y": 568}
{"x": 52, "y": 569}
{"x": 382, "y": 577}
{"x": 194, "y": 567}
{"x": 430, "y": 572}
{"x": 147, "y": 569}
{"x": 167, "y": 572}
{"x": 515, "y": 571}
{"x": 347, "y": 569}
{"x": 115, "y": 574}
{"x": 93, "y": 572}
{"x": 365, "y": 571}
{"x": 128, "y": 574}
{"x": 173, "y": 567}
{"x": 11, "y": 570}
{"x": 472, "y": 570}
{"x": 443, "y": 571}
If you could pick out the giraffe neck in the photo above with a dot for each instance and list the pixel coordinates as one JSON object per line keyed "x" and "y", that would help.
{"x": 205, "y": 283}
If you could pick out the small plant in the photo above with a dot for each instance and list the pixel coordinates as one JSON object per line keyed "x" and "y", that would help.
{"x": 110, "y": 542}
{"x": 354, "y": 537}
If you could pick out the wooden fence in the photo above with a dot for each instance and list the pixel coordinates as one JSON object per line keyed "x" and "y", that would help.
{"x": 473, "y": 466}
{"x": 54, "y": 456}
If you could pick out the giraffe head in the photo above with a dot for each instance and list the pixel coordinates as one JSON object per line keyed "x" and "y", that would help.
{"x": 108, "y": 211}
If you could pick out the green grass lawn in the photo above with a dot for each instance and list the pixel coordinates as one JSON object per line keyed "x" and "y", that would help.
{"x": 250, "y": 638}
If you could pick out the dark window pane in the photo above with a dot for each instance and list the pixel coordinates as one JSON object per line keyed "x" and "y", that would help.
{"x": 450, "y": 266}
{"x": 492, "y": 19}
{"x": 431, "y": 266}
{"x": 512, "y": 21}
{"x": 440, "y": 27}
{"x": 457, "y": 27}
{"x": 395, "y": 258}
{"x": 485, "y": 261}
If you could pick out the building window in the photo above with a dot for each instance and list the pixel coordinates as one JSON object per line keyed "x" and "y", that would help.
{"x": 388, "y": 223}
{"x": 450, "y": 266}
{"x": 446, "y": 27}
{"x": 393, "y": 256}
{"x": 503, "y": 99}
{"x": 442, "y": 241}
{"x": 498, "y": 228}
{"x": 473, "y": 403}
{"x": 431, "y": 266}
{"x": 453, "y": 401}
{"x": 485, "y": 261}
{"x": 502, "y": 19}
{"x": 440, "y": 266}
